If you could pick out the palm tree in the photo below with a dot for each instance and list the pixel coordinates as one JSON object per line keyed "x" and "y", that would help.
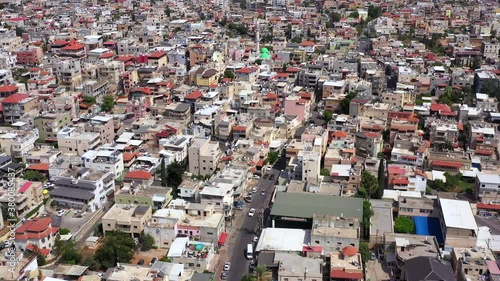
{"x": 261, "y": 273}
{"x": 248, "y": 277}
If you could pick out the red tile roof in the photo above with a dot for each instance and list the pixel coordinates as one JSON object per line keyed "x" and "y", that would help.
{"x": 8, "y": 88}
{"x": 73, "y": 46}
{"x": 145, "y": 90}
{"x": 239, "y": 128}
{"x": 341, "y": 274}
{"x": 448, "y": 164}
{"x": 142, "y": 175}
{"x": 340, "y": 134}
{"x": 194, "y": 95}
{"x": 127, "y": 156}
{"x": 35, "y": 229}
{"x": 400, "y": 181}
{"x": 33, "y": 248}
{"x": 440, "y": 107}
{"x": 307, "y": 44}
{"x": 484, "y": 152}
{"x": 157, "y": 55}
{"x": 15, "y": 98}
{"x": 396, "y": 170}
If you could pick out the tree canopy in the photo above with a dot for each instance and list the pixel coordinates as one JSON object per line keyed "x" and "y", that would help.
{"x": 108, "y": 103}
{"x": 147, "y": 242}
{"x": 70, "y": 254}
{"x": 272, "y": 156}
{"x": 31, "y": 175}
{"x": 116, "y": 247}
{"x": 346, "y": 103}
{"x": 404, "y": 225}
{"x": 175, "y": 171}
{"x": 369, "y": 187}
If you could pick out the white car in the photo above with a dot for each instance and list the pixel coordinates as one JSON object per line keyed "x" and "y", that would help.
{"x": 254, "y": 189}
{"x": 269, "y": 168}
{"x": 227, "y": 266}
{"x": 251, "y": 212}
{"x": 255, "y": 239}
{"x": 60, "y": 213}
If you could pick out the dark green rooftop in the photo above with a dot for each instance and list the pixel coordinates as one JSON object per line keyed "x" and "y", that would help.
{"x": 305, "y": 205}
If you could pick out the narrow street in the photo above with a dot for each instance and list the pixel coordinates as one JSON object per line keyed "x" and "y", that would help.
{"x": 245, "y": 228}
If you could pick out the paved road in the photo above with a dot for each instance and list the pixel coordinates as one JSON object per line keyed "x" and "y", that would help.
{"x": 249, "y": 228}
{"x": 492, "y": 222}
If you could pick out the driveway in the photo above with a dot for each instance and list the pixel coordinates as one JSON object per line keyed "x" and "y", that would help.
{"x": 376, "y": 271}
{"x": 70, "y": 221}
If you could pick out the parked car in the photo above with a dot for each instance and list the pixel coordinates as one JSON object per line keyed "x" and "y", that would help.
{"x": 248, "y": 199}
{"x": 263, "y": 192}
{"x": 255, "y": 239}
{"x": 373, "y": 256}
{"x": 223, "y": 275}
{"x": 227, "y": 266}
{"x": 266, "y": 176}
{"x": 251, "y": 213}
{"x": 61, "y": 213}
{"x": 254, "y": 189}
{"x": 269, "y": 168}
{"x": 140, "y": 262}
{"x": 155, "y": 259}
{"x": 271, "y": 177}
{"x": 256, "y": 177}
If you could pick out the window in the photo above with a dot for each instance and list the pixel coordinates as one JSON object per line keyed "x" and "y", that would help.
{"x": 317, "y": 241}
{"x": 210, "y": 233}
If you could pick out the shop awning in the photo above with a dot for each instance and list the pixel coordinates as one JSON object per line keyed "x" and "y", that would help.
{"x": 222, "y": 238}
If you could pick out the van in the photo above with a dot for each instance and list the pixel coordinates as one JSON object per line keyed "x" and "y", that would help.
{"x": 249, "y": 251}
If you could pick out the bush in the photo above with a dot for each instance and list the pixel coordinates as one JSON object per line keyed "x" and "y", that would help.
{"x": 404, "y": 225}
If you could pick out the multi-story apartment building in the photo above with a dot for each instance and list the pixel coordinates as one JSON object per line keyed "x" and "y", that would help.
{"x": 6, "y": 77}
{"x": 490, "y": 49}
{"x": 417, "y": 207}
{"x": 71, "y": 141}
{"x": 83, "y": 189}
{"x": 203, "y": 156}
{"x": 28, "y": 195}
{"x": 331, "y": 88}
{"x": 95, "y": 88}
{"x": 104, "y": 161}
{"x": 48, "y": 124}
{"x": 175, "y": 149}
{"x": 16, "y": 105}
{"x": 368, "y": 144}
{"x": 29, "y": 55}
{"x": 7, "y": 60}
{"x": 17, "y": 142}
{"x": 126, "y": 218}
{"x": 69, "y": 73}
{"x": 443, "y": 133}
{"x": 104, "y": 126}
{"x": 486, "y": 103}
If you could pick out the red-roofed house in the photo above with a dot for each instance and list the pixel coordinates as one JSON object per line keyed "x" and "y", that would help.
{"x": 158, "y": 59}
{"x": 346, "y": 265}
{"x": 139, "y": 176}
{"x": 368, "y": 144}
{"x": 8, "y": 90}
{"x": 446, "y": 166}
{"x": 74, "y": 49}
{"x": 16, "y": 106}
{"x": 307, "y": 46}
{"x": 248, "y": 74}
{"x": 37, "y": 232}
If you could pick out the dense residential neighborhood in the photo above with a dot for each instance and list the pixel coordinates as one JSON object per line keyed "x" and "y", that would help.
{"x": 252, "y": 140}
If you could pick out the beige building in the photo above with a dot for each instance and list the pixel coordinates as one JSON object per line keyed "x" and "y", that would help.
{"x": 71, "y": 141}
{"x": 346, "y": 264}
{"x": 104, "y": 126}
{"x": 126, "y": 218}
{"x": 293, "y": 267}
{"x": 458, "y": 224}
{"x": 417, "y": 207}
{"x": 16, "y": 105}
{"x": 28, "y": 194}
{"x": 399, "y": 248}
{"x": 471, "y": 263}
{"x": 398, "y": 98}
{"x": 203, "y": 156}
{"x": 331, "y": 88}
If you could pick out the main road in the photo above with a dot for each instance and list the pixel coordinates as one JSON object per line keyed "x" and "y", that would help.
{"x": 249, "y": 227}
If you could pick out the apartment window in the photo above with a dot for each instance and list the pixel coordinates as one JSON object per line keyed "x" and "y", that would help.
{"x": 317, "y": 241}
{"x": 109, "y": 224}
{"x": 210, "y": 233}
{"x": 135, "y": 226}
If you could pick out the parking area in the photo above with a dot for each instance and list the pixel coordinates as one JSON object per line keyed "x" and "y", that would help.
{"x": 71, "y": 220}
{"x": 148, "y": 256}
{"x": 376, "y": 271}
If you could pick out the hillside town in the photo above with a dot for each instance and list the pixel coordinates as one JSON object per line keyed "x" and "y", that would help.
{"x": 256, "y": 140}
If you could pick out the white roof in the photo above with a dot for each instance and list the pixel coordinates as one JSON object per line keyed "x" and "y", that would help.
{"x": 395, "y": 194}
{"x": 177, "y": 247}
{"x": 283, "y": 239}
{"x": 438, "y": 175}
{"x": 488, "y": 178}
{"x": 341, "y": 170}
{"x": 458, "y": 214}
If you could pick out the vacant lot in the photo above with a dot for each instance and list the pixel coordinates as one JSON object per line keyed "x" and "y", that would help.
{"x": 149, "y": 255}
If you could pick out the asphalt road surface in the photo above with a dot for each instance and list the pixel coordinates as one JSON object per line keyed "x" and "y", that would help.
{"x": 250, "y": 227}
{"x": 492, "y": 222}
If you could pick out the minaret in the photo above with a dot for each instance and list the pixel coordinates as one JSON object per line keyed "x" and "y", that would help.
{"x": 257, "y": 36}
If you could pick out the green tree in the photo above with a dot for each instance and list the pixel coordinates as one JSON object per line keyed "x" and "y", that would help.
{"x": 89, "y": 101}
{"x": 452, "y": 180}
{"x": 404, "y": 225}
{"x": 346, "y": 102}
{"x": 163, "y": 173}
{"x": 147, "y": 242}
{"x": 272, "y": 156}
{"x": 354, "y": 14}
{"x": 367, "y": 214}
{"x": 175, "y": 171}
{"x": 92, "y": 263}
{"x": 364, "y": 251}
{"x": 229, "y": 74}
{"x": 40, "y": 257}
{"x": 64, "y": 231}
{"x": 31, "y": 175}
{"x": 381, "y": 180}
{"x": 327, "y": 116}
{"x": 369, "y": 185}
{"x": 116, "y": 247}
{"x": 108, "y": 103}
{"x": 247, "y": 277}
{"x": 324, "y": 172}
{"x": 69, "y": 251}
{"x": 261, "y": 273}
{"x": 297, "y": 39}
{"x": 335, "y": 17}
{"x": 439, "y": 185}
